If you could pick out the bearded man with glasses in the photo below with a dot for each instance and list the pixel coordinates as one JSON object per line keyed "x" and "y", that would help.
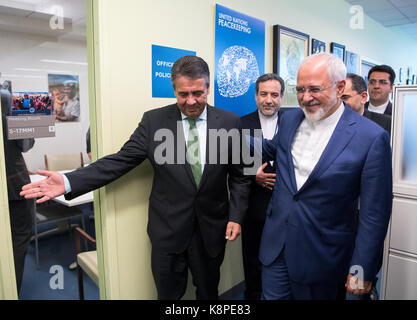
{"x": 380, "y": 84}
{"x": 328, "y": 156}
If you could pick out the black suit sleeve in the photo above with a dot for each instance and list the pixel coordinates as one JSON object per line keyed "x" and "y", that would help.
{"x": 109, "y": 168}
{"x": 239, "y": 187}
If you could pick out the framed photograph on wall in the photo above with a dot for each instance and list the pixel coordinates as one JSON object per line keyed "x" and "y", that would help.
{"x": 404, "y": 140}
{"x": 290, "y": 48}
{"x": 338, "y": 50}
{"x": 366, "y": 65}
{"x": 351, "y": 62}
{"x": 317, "y": 46}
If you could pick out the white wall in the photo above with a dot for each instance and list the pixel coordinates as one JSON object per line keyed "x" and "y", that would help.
{"x": 25, "y": 51}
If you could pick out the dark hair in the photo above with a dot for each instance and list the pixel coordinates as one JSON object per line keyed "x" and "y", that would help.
{"x": 383, "y": 68}
{"x": 358, "y": 83}
{"x": 192, "y": 67}
{"x": 267, "y": 77}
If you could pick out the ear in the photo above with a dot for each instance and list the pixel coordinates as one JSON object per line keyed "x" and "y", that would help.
{"x": 391, "y": 88}
{"x": 340, "y": 85}
{"x": 364, "y": 97}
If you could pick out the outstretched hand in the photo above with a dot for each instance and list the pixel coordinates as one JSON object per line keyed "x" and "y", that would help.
{"x": 46, "y": 189}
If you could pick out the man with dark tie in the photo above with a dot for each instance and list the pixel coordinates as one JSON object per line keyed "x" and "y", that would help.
{"x": 190, "y": 211}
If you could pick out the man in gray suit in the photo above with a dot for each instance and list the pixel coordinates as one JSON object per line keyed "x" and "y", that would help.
{"x": 190, "y": 212}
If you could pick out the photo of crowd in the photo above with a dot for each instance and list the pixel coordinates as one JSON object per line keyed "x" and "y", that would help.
{"x": 31, "y": 103}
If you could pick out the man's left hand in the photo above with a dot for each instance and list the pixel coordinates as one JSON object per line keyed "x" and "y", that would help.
{"x": 233, "y": 230}
{"x": 353, "y": 286}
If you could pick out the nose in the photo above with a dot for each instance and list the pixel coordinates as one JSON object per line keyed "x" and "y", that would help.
{"x": 191, "y": 100}
{"x": 268, "y": 99}
{"x": 307, "y": 96}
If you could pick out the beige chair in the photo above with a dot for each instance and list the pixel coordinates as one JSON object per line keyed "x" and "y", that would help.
{"x": 86, "y": 260}
{"x": 58, "y": 162}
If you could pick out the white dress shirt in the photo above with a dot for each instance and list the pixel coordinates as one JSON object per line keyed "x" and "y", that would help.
{"x": 381, "y": 109}
{"x": 310, "y": 140}
{"x": 268, "y": 125}
{"x": 201, "y": 124}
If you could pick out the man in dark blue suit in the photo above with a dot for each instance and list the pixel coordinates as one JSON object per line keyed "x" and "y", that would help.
{"x": 328, "y": 157}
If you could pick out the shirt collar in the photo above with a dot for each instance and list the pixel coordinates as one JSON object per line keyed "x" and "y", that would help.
{"x": 381, "y": 106}
{"x": 203, "y": 115}
{"x": 262, "y": 117}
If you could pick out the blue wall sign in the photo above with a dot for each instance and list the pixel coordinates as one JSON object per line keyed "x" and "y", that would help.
{"x": 162, "y": 60}
{"x": 239, "y": 60}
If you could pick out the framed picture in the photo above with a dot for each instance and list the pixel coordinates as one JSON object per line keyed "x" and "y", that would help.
{"x": 290, "y": 48}
{"x": 366, "y": 65}
{"x": 404, "y": 140}
{"x": 65, "y": 92}
{"x": 317, "y": 46}
{"x": 338, "y": 50}
{"x": 351, "y": 62}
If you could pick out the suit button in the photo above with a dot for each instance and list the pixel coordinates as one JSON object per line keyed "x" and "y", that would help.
{"x": 296, "y": 197}
{"x": 286, "y": 221}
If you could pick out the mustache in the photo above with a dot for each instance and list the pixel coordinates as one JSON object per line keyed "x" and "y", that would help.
{"x": 311, "y": 103}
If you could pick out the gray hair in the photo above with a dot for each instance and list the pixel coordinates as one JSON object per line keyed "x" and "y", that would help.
{"x": 335, "y": 66}
{"x": 192, "y": 67}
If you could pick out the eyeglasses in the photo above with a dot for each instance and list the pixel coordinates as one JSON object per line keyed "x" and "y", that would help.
{"x": 373, "y": 82}
{"x": 312, "y": 90}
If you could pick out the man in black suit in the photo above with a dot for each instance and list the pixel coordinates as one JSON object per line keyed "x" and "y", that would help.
{"x": 190, "y": 212}
{"x": 380, "y": 84}
{"x": 21, "y": 210}
{"x": 269, "y": 90}
{"x": 355, "y": 96}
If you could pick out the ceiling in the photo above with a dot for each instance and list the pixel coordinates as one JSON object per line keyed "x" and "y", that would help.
{"x": 399, "y": 15}
{"x": 34, "y": 16}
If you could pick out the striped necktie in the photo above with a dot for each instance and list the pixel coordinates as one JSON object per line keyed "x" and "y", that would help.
{"x": 193, "y": 151}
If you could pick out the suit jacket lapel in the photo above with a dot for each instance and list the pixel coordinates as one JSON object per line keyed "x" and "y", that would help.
{"x": 292, "y": 184}
{"x": 212, "y": 121}
{"x": 174, "y": 124}
{"x": 341, "y": 136}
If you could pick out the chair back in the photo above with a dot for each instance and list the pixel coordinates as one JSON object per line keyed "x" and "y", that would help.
{"x": 58, "y": 162}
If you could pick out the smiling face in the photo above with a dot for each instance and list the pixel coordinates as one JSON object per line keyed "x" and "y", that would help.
{"x": 268, "y": 98}
{"x": 316, "y": 94}
{"x": 191, "y": 96}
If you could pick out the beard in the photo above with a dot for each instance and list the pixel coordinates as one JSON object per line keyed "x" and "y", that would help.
{"x": 318, "y": 114}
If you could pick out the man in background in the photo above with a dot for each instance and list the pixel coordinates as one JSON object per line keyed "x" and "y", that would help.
{"x": 380, "y": 84}
{"x": 355, "y": 96}
{"x": 269, "y": 90}
{"x": 71, "y": 103}
{"x": 21, "y": 210}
